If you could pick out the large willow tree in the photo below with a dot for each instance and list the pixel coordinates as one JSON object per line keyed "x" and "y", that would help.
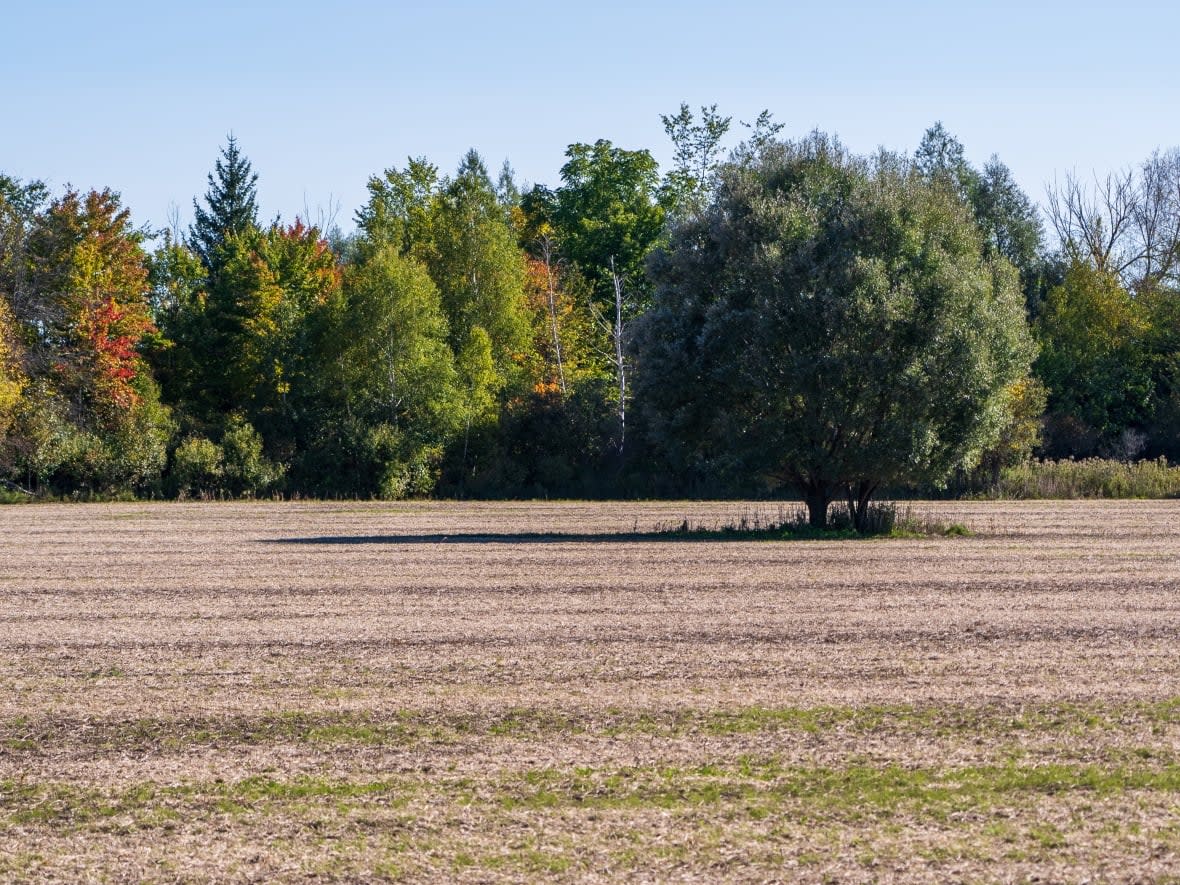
{"x": 831, "y": 322}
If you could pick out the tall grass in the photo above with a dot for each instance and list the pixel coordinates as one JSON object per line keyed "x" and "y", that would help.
{"x": 1090, "y": 478}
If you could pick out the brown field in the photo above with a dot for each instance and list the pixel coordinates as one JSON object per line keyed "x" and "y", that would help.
{"x": 357, "y": 692}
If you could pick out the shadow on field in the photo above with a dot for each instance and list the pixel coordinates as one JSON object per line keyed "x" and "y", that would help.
{"x": 523, "y": 538}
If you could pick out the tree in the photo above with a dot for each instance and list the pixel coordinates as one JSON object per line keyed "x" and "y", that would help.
{"x": 231, "y": 203}
{"x": 1094, "y": 361}
{"x": 1010, "y": 221}
{"x": 831, "y": 323}
{"x": 480, "y": 269}
{"x": 461, "y": 232}
{"x": 1162, "y": 308}
{"x": 941, "y": 157}
{"x": 177, "y": 298}
{"x": 1127, "y": 224}
{"x": 1007, "y": 218}
{"x": 92, "y": 417}
{"x": 90, "y": 272}
{"x": 400, "y": 210}
{"x": 564, "y": 329}
{"x": 696, "y": 152}
{"x": 20, "y": 204}
{"x": 253, "y": 340}
{"x": 388, "y": 380}
{"x": 12, "y": 377}
{"x": 608, "y": 221}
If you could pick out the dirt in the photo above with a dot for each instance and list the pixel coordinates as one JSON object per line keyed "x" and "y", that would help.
{"x": 487, "y": 692}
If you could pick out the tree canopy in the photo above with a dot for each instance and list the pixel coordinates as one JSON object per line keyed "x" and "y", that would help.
{"x": 832, "y": 323}
{"x": 765, "y": 318}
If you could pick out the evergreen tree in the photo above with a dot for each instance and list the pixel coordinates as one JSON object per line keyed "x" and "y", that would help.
{"x": 231, "y": 202}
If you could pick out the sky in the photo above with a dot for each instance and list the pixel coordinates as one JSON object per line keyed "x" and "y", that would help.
{"x": 140, "y": 96}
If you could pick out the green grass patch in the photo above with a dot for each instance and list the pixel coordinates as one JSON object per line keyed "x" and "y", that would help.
{"x": 847, "y": 793}
{"x": 418, "y": 728}
{"x": 745, "y": 789}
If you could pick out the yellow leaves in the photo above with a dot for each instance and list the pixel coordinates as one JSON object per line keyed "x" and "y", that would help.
{"x": 1091, "y": 306}
{"x": 12, "y": 379}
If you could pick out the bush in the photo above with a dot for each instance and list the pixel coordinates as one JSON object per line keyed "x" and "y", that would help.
{"x": 247, "y": 471}
{"x": 139, "y": 447}
{"x": 197, "y": 468}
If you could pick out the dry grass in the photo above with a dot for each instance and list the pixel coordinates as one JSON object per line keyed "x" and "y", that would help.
{"x": 287, "y": 692}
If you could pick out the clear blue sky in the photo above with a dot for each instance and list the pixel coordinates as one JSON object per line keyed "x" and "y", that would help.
{"x": 139, "y": 96}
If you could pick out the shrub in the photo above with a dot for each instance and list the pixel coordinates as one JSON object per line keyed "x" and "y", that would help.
{"x": 197, "y": 467}
{"x": 247, "y": 471}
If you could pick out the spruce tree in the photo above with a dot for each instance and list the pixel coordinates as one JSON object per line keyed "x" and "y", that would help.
{"x": 231, "y": 202}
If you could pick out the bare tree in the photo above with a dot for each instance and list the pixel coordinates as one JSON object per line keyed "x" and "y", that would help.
{"x": 1127, "y": 224}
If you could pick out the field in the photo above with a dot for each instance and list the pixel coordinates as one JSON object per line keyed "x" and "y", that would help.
{"x": 293, "y": 692}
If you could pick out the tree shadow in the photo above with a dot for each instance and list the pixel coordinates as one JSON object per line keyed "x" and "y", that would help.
{"x": 534, "y": 538}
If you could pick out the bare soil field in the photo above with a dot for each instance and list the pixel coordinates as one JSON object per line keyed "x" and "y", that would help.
{"x": 290, "y": 692}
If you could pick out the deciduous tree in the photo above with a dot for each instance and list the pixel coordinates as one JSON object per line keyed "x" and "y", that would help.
{"x": 832, "y": 322}
{"x": 609, "y": 220}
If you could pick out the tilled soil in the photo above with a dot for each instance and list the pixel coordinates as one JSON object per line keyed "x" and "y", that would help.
{"x": 494, "y": 692}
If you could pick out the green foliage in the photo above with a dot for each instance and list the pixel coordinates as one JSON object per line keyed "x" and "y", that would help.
{"x": 197, "y": 468}
{"x": 139, "y": 444}
{"x": 399, "y": 212}
{"x": 479, "y": 268}
{"x": 1019, "y": 437}
{"x": 549, "y": 446}
{"x": 252, "y": 341}
{"x": 79, "y": 412}
{"x": 607, "y": 214}
{"x": 390, "y": 345}
{"x": 696, "y": 150}
{"x": 388, "y": 392}
{"x": 246, "y": 471}
{"x": 478, "y": 381}
{"x": 1093, "y": 362}
{"x": 1007, "y": 219}
{"x": 1162, "y": 307}
{"x": 230, "y": 206}
{"x": 12, "y": 377}
{"x": 406, "y": 472}
{"x": 51, "y": 452}
{"x": 831, "y": 323}
{"x": 461, "y": 231}
{"x": 822, "y": 320}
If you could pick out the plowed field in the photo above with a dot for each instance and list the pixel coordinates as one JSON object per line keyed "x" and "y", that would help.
{"x": 502, "y": 692}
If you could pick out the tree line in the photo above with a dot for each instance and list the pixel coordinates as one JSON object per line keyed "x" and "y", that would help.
{"x": 784, "y": 315}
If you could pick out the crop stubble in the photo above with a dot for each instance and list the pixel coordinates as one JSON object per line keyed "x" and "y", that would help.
{"x": 263, "y": 691}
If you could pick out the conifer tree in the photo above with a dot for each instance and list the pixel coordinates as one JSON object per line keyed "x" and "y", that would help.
{"x": 231, "y": 201}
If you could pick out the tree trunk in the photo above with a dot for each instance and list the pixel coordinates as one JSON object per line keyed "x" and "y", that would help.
{"x": 817, "y": 497}
{"x": 859, "y": 496}
{"x": 620, "y": 363}
{"x": 551, "y": 291}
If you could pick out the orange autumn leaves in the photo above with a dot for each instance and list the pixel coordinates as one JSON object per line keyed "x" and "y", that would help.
{"x": 92, "y": 258}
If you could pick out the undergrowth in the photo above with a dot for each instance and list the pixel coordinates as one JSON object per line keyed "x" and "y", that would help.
{"x": 883, "y": 519}
{"x": 1090, "y": 478}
